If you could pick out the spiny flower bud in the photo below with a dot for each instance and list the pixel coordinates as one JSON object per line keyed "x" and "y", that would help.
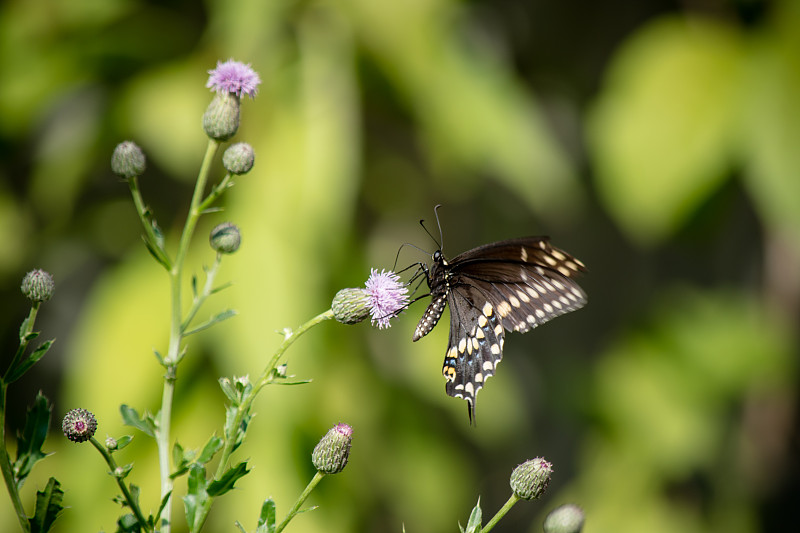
{"x": 221, "y": 119}
{"x": 127, "y": 160}
{"x": 79, "y": 425}
{"x": 530, "y": 479}
{"x": 111, "y": 443}
{"x": 349, "y": 306}
{"x": 238, "y": 158}
{"x": 330, "y": 455}
{"x": 565, "y": 519}
{"x": 225, "y": 238}
{"x": 38, "y": 285}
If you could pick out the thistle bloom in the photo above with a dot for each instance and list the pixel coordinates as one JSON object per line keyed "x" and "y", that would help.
{"x": 79, "y": 425}
{"x": 331, "y": 454}
{"x": 386, "y": 297}
{"x": 530, "y": 479}
{"x": 233, "y": 77}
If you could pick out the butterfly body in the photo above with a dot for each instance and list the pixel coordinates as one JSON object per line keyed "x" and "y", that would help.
{"x": 512, "y": 285}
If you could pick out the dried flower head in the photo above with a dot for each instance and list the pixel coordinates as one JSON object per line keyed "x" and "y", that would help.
{"x": 79, "y": 425}
{"x": 530, "y": 479}
{"x": 386, "y": 297}
{"x": 331, "y": 454}
{"x": 38, "y": 285}
{"x": 233, "y": 77}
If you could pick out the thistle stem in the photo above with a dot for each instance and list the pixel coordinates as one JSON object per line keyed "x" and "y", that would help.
{"x": 303, "y": 497}
{"x": 176, "y": 334}
{"x": 132, "y": 503}
{"x": 501, "y": 513}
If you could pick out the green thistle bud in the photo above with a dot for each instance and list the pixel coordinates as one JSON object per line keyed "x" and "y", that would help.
{"x": 238, "y": 158}
{"x": 565, "y": 519}
{"x": 79, "y": 425}
{"x": 530, "y": 479}
{"x": 38, "y": 286}
{"x": 128, "y": 160}
{"x": 349, "y": 306}
{"x": 111, "y": 444}
{"x": 330, "y": 455}
{"x": 225, "y": 238}
{"x": 221, "y": 119}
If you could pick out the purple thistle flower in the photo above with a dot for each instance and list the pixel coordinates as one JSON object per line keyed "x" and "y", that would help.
{"x": 386, "y": 297}
{"x": 234, "y": 77}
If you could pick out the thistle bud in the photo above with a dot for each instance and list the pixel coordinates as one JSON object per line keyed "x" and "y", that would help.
{"x": 330, "y": 455}
{"x": 111, "y": 444}
{"x": 530, "y": 479}
{"x": 225, "y": 238}
{"x": 565, "y": 519}
{"x": 238, "y": 158}
{"x": 349, "y": 306}
{"x": 79, "y": 425}
{"x": 221, "y": 119}
{"x": 38, "y": 285}
{"x": 127, "y": 160}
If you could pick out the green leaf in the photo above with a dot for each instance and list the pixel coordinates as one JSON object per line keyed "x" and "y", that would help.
{"x": 228, "y": 479}
{"x": 219, "y": 317}
{"x": 664, "y": 130}
{"x": 266, "y": 520}
{"x": 28, "y": 362}
{"x": 222, "y": 287}
{"x": 128, "y": 523}
{"x": 240, "y": 526}
{"x": 161, "y": 507}
{"x": 48, "y": 507}
{"x": 125, "y": 470}
{"x": 213, "y": 445}
{"x": 230, "y": 393}
{"x": 196, "y": 493}
{"x": 30, "y": 442}
{"x": 131, "y": 418}
{"x": 475, "y": 518}
{"x": 123, "y": 441}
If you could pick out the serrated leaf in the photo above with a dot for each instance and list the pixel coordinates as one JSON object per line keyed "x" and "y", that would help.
{"x": 30, "y": 442}
{"x": 219, "y": 317}
{"x": 48, "y": 507}
{"x": 266, "y": 520}
{"x": 228, "y": 479}
{"x": 131, "y": 418}
{"x": 213, "y": 445}
{"x": 196, "y": 493}
{"x": 29, "y": 361}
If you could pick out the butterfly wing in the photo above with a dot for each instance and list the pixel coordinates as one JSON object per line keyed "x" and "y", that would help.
{"x": 512, "y": 285}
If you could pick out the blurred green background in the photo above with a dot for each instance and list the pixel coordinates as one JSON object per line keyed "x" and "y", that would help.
{"x": 656, "y": 140}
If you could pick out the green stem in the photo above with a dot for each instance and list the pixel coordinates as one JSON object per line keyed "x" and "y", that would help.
{"x": 310, "y": 487}
{"x": 176, "y": 334}
{"x": 132, "y": 503}
{"x": 153, "y": 240}
{"x": 501, "y": 513}
{"x": 5, "y": 464}
{"x": 244, "y": 408}
{"x": 199, "y": 299}
{"x": 5, "y": 459}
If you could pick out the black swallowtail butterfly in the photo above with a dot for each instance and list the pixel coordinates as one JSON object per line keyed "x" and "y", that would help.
{"x": 512, "y": 285}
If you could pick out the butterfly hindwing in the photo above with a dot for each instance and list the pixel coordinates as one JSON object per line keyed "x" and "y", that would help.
{"x": 512, "y": 285}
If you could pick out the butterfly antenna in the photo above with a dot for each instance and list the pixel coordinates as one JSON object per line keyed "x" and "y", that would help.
{"x": 441, "y": 235}
{"x": 422, "y": 223}
{"x": 397, "y": 257}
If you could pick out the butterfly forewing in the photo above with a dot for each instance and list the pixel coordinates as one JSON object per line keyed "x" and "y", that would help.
{"x": 512, "y": 285}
